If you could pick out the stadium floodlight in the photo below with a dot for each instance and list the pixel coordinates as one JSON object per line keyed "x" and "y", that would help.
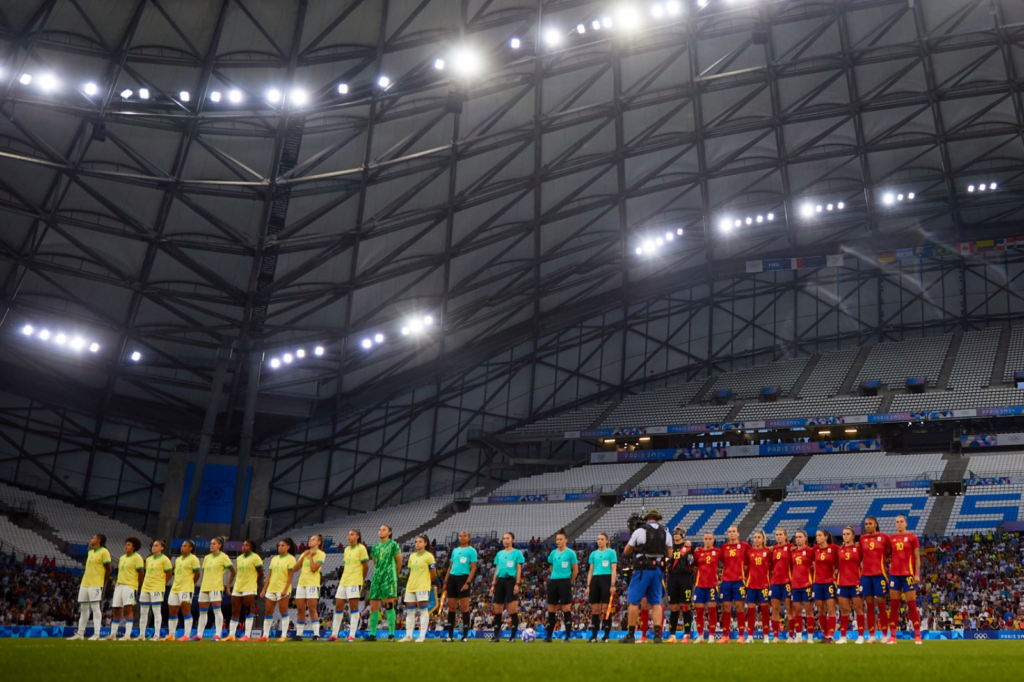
{"x": 184, "y": 96}
{"x": 136, "y": 356}
{"x": 807, "y": 210}
{"x": 607, "y": 22}
{"x": 428, "y": 320}
{"x": 840, "y": 206}
{"x": 273, "y": 95}
{"x": 60, "y": 339}
{"x": 287, "y": 357}
{"x": 27, "y": 330}
{"x": 771, "y": 217}
{"x": 596, "y": 24}
{"x": 910, "y": 196}
{"x": 342, "y": 88}
{"x": 725, "y": 224}
{"x": 648, "y": 246}
{"x": 44, "y": 334}
{"x": 899, "y": 197}
{"x": 679, "y": 232}
{"x": 94, "y": 347}
{"x": 659, "y": 241}
{"x": 467, "y": 62}
{"x": 215, "y": 96}
{"x": 970, "y": 188}
{"x": 405, "y": 331}
{"x": 126, "y": 94}
{"x": 628, "y": 17}
{"x": 830, "y": 207}
{"x": 300, "y": 353}
{"x": 90, "y": 89}
{"x": 981, "y": 187}
{"x": 318, "y": 351}
{"x": 581, "y": 29}
{"x": 143, "y": 93}
{"x": 47, "y": 82}
{"x": 888, "y": 198}
{"x": 992, "y": 185}
{"x": 367, "y": 344}
{"x": 378, "y": 338}
{"x": 275, "y": 363}
{"x": 657, "y": 11}
{"x": 639, "y": 250}
{"x": 235, "y": 96}
{"x": 759, "y": 219}
{"x": 515, "y": 43}
{"x": 702, "y": 3}
{"x": 818, "y": 208}
{"x": 384, "y": 82}
{"x": 78, "y": 343}
{"x": 25, "y": 79}
{"x": 552, "y": 37}
{"x": 669, "y": 236}
{"x": 749, "y": 220}
{"x": 439, "y": 64}
{"x": 299, "y": 97}
{"x": 674, "y": 8}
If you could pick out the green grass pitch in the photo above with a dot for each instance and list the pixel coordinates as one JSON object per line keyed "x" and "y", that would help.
{"x": 969, "y": 661}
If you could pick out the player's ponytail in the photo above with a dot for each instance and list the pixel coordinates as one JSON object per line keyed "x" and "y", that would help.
{"x": 359, "y": 536}
{"x": 291, "y": 545}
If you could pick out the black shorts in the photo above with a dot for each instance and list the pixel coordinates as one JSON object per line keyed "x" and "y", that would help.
{"x": 504, "y": 591}
{"x": 559, "y": 592}
{"x": 680, "y": 588}
{"x": 455, "y": 583}
{"x": 600, "y": 589}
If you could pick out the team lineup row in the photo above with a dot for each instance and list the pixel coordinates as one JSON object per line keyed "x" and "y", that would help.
{"x": 707, "y": 581}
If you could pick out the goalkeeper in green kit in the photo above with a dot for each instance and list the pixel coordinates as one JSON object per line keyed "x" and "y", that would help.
{"x": 387, "y": 564}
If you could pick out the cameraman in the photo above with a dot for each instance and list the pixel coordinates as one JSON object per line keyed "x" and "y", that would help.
{"x": 652, "y": 545}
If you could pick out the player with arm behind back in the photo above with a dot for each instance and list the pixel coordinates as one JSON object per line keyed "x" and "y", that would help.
{"x": 680, "y": 585}
{"x": 781, "y": 590}
{"x": 759, "y": 559}
{"x": 904, "y": 576}
{"x": 158, "y": 573}
{"x": 705, "y": 597}
{"x": 278, "y": 588}
{"x": 350, "y": 588}
{"x": 826, "y": 563}
{"x": 130, "y": 574}
{"x": 874, "y": 581}
{"x": 90, "y": 592}
{"x": 461, "y": 571}
{"x": 732, "y": 590}
{"x": 850, "y": 556}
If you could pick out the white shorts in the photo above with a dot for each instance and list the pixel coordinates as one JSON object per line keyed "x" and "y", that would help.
{"x": 277, "y": 596}
{"x": 89, "y": 595}
{"x": 123, "y": 596}
{"x": 348, "y": 591}
{"x": 311, "y": 592}
{"x": 204, "y": 597}
{"x": 242, "y": 594}
{"x": 179, "y": 598}
{"x": 416, "y": 597}
{"x": 151, "y": 597}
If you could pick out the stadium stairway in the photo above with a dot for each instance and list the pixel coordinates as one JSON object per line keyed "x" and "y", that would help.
{"x": 999, "y": 366}
{"x": 947, "y": 365}
{"x": 698, "y": 397}
{"x": 802, "y": 379}
{"x": 942, "y": 509}
{"x": 851, "y": 376}
{"x": 612, "y": 404}
{"x": 597, "y": 511}
{"x": 795, "y": 466}
{"x": 633, "y": 481}
{"x": 749, "y": 523}
{"x": 887, "y": 398}
{"x": 442, "y": 515}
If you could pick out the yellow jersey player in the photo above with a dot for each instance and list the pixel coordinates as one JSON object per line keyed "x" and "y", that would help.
{"x": 357, "y": 563}
{"x": 186, "y": 579}
{"x": 248, "y": 576}
{"x": 278, "y": 588}
{"x": 158, "y": 574}
{"x": 90, "y": 593}
{"x": 130, "y": 570}
{"x": 422, "y": 574}
{"x": 308, "y": 592}
{"x": 211, "y": 590}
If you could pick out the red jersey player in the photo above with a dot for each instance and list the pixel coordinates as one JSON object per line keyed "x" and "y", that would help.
{"x": 826, "y": 562}
{"x": 781, "y": 591}
{"x": 759, "y": 559}
{"x": 734, "y": 558}
{"x": 904, "y": 575}
{"x": 850, "y": 555}
{"x": 802, "y": 573}
{"x": 707, "y": 560}
{"x": 874, "y": 583}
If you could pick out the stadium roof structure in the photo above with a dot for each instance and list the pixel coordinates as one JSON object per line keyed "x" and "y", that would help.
{"x": 434, "y": 199}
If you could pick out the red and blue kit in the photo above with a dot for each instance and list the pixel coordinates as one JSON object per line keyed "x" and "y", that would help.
{"x": 873, "y": 578}
{"x": 801, "y": 572}
{"x": 903, "y": 566}
{"x": 758, "y": 563}
{"x": 850, "y": 557}
{"x": 826, "y": 560}
{"x": 707, "y": 562}
{"x": 734, "y": 557}
{"x": 781, "y": 569}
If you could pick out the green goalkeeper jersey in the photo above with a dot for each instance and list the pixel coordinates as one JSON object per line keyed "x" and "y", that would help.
{"x": 383, "y": 555}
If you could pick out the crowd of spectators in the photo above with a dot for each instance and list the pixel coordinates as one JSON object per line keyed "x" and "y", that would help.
{"x": 969, "y": 582}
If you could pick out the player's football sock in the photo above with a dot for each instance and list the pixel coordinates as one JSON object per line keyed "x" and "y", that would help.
{"x": 712, "y": 621}
{"x": 83, "y": 619}
{"x": 551, "y": 626}
{"x": 809, "y": 626}
{"x": 914, "y": 617}
{"x": 316, "y": 628}
{"x": 465, "y": 624}
{"x": 700, "y": 621}
{"x": 97, "y": 618}
{"x": 515, "y": 624}
{"x": 765, "y": 617}
{"x": 285, "y": 622}
{"x": 595, "y": 625}
{"x": 218, "y": 620}
{"x": 823, "y": 625}
{"x": 390, "y": 613}
{"x": 741, "y": 625}
{"x": 657, "y": 632}
{"x": 871, "y": 619}
{"x": 751, "y": 619}
{"x": 115, "y": 625}
{"x": 188, "y": 626}
{"x": 776, "y": 627}
{"x": 249, "y": 620}
{"x": 687, "y": 622}
{"x": 673, "y": 621}
{"x": 172, "y": 625}
{"x": 844, "y": 625}
{"x": 143, "y": 620}
{"x": 645, "y": 620}
{"x": 726, "y": 622}
{"x": 607, "y": 628}
{"x": 158, "y": 620}
{"x": 233, "y": 627}
{"x": 796, "y": 627}
{"x": 790, "y": 625}
{"x": 353, "y": 622}
{"x": 336, "y": 622}
{"x": 201, "y": 629}
{"x": 451, "y": 623}
{"x": 567, "y": 624}
{"x": 375, "y": 619}
{"x": 831, "y": 625}
{"x": 894, "y": 618}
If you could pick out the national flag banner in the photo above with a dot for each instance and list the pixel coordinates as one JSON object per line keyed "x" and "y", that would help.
{"x": 755, "y": 266}
{"x": 885, "y": 256}
{"x": 834, "y": 261}
{"x": 942, "y": 251}
{"x": 984, "y": 246}
{"x": 1001, "y": 244}
{"x": 796, "y": 263}
{"x": 814, "y": 262}
{"x": 965, "y": 248}
{"x": 924, "y": 251}
{"x": 904, "y": 254}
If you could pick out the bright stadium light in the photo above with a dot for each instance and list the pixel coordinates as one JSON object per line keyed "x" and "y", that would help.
{"x": 807, "y": 210}
{"x": 287, "y": 357}
{"x": 439, "y": 64}
{"x": 318, "y": 351}
{"x": 669, "y": 236}
{"x": 679, "y": 232}
{"x": 184, "y": 96}
{"x": 607, "y": 22}
{"x": 273, "y": 96}
{"x": 759, "y": 219}
{"x": 126, "y": 93}
{"x": 818, "y": 208}
{"x": 840, "y": 206}
{"x": 44, "y": 334}
{"x": 657, "y": 11}
{"x": 60, "y": 339}
{"x": 94, "y": 347}
{"x": 214, "y": 96}
{"x": 899, "y": 197}
{"x": 771, "y": 217}
{"x": 910, "y": 196}
{"x": 888, "y": 198}
{"x": 300, "y": 353}
{"x": 136, "y": 356}
{"x": 78, "y": 343}
{"x": 275, "y": 363}
{"x": 674, "y": 8}
{"x": 725, "y": 224}
{"x": 515, "y": 43}
{"x": 143, "y": 93}
{"x": 299, "y": 97}
{"x": 378, "y": 338}
{"x": 428, "y": 320}
{"x": 581, "y": 29}
{"x": 405, "y": 331}
{"x": 384, "y": 82}
{"x": 91, "y": 89}
{"x": 639, "y": 250}
{"x": 628, "y": 17}
{"x": 596, "y": 24}
{"x": 552, "y": 37}
{"x": 467, "y": 62}
{"x": 367, "y": 344}
{"x": 235, "y": 96}
{"x": 992, "y": 185}
{"x": 27, "y": 330}
{"x": 830, "y": 207}
{"x": 659, "y": 241}
{"x": 25, "y": 79}
{"x": 702, "y": 3}
{"x": 342, "y": 88}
